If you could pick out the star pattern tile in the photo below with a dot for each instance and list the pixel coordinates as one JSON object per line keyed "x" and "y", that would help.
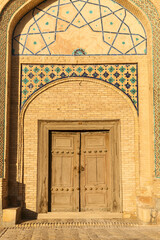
{"x": 46, "y": 27}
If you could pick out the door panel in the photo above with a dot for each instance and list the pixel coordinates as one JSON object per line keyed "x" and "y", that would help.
{"x": 95, "y": 172}
{"x": 92, "y": 199}
{"x": 64, "y": 174}
{"x": 62, "y": 170}
{"x": 94, "y": 166}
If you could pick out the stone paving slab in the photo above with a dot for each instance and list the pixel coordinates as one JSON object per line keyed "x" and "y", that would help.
{"x": 110, "y": 233}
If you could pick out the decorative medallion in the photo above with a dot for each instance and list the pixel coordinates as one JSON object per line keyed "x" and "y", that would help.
{"x": 79, "y": 52}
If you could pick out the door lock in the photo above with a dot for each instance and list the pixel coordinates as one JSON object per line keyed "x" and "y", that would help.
{"x": 82, "y": 168}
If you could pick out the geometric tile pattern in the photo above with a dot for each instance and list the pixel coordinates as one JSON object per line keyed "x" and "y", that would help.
{"x": 52, "y": 23}
{"x": 122, "y": 76}
{"x": 151, "y": 12}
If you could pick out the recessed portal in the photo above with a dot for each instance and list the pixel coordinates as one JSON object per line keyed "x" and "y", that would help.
{"x": 79, "y": 167}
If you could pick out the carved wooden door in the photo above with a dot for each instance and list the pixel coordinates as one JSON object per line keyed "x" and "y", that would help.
{"x": 95, "y": 171}
{"x": 80, "y": 171}
{"x": 64, "y": 171}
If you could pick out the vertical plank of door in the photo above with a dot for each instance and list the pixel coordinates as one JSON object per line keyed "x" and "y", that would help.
{"x": 115, "y": 143}
{"x": 95, "y": 179}
{"x": 108, "y": 171}
{"x": 42, "y": 197}
{"x": 64, "y": 171}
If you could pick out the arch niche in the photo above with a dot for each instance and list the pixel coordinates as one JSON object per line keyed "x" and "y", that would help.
{"x": 135, "y": 61}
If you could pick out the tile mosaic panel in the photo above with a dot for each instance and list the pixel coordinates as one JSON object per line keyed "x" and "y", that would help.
{"x": 79, "y": 27}
{"x": 122, "y": 76}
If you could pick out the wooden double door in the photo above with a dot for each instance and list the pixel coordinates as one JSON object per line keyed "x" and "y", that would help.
{"x": 79, "y": 171}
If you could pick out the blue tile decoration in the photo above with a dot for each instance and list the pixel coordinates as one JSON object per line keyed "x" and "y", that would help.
{"x": 79, "y": 52}
{"x": 122, "y": 76}
{"x": 53, "y": 24}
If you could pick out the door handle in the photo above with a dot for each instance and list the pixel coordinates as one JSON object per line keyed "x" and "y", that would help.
{"x": 82, "y": 168}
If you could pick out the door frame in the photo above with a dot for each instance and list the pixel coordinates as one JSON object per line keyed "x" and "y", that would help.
{"x": 45, "y": 126}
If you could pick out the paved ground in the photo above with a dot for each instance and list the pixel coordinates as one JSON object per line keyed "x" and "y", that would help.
{"x": 107, "y": 233}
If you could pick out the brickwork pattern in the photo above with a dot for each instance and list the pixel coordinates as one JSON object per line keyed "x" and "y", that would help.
{"x": 80, "y": 100}
{"x": 122, "y": 76}
{"x": 154, "y": 18}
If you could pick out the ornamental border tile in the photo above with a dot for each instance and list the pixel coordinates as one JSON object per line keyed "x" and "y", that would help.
{"x": 122, "y": 76}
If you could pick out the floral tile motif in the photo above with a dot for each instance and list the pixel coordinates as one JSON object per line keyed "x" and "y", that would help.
{"x": 98, "y": 27}
{"x": 122, "y": 76}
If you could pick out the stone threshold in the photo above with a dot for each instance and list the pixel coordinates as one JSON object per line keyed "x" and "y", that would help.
{"x": 79, "y": 215}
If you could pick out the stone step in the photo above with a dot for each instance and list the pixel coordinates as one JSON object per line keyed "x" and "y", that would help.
{"x": 79, "y": 215}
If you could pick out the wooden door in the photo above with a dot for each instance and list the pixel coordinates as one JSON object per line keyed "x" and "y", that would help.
{"x": 80, "y": 172}
{"x": 64, "y": 171}
{"x": 95, "y": 172}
